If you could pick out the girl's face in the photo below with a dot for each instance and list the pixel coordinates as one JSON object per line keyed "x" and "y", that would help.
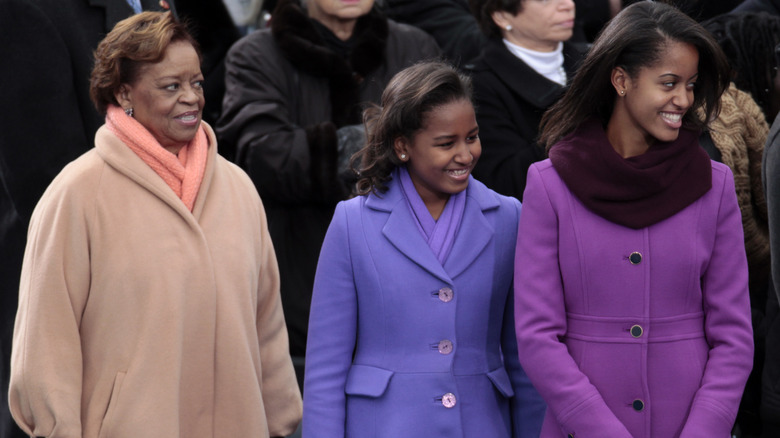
{"x": 540, "y": 25}
{"x": 442, "y": 154}
{"x": 650, "y": 106}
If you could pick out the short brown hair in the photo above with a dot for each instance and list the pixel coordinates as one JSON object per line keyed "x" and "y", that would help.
{"x": 141, "y": 38}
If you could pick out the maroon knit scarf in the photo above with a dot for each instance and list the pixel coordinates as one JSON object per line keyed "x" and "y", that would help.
{"x": 634, "y": 192}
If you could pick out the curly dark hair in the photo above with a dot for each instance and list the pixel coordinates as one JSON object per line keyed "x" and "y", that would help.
{"x": 411, "y": 94}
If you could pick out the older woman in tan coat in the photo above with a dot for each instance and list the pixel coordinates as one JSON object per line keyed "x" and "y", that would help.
{"x": 149, "y": 301}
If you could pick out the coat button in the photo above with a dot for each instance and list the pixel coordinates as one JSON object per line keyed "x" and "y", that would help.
{"x": 638, "y": 405}
{"x": 448, "y": 400}
{"x": 635, "y": 258}
{"x": 445, "y": 346}
{"x": 446, "y": 294}
{"x": 636, "y": 331}
{"x": 571, "y": 435}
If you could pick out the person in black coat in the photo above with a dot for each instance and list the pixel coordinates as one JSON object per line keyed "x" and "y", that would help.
{"x": 521, "y": 72}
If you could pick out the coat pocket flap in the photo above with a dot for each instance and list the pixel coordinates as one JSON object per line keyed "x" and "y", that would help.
{"x": 500, "y": 380}
{"x": 367, "y": 380}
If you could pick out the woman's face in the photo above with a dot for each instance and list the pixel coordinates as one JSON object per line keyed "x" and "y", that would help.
{"x": 338, "y": 10}
{"x": 540, "y": 25}
{"x": 441, "y": 155}
{"x": 652, "y": 104}
{"x": 167, "y": 96}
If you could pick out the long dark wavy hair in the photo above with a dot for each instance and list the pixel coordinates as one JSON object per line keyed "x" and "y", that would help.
{"x": 411, "y": 94}
{"x": 637, "y": 37}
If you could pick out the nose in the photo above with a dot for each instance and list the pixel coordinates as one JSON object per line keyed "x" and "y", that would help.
{"x": 566, "y": 4}
{"x": 189, "y": 95}
{"x": 683, "y": 98}
{"x": 463, "y": 154}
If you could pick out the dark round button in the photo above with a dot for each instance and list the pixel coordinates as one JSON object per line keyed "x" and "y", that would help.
{"x": 571, "y": 435}
{"x": 636, "y": 331}
{"x": 635, "y": 258}
{"x": 638, "y": 405}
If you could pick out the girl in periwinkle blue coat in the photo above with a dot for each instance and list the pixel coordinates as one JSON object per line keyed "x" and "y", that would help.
{"x": 411, "y": 331}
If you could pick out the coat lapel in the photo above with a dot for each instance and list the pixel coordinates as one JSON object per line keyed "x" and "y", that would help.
{"x": 475, "y": 231}
{"x": 401, "y": 230}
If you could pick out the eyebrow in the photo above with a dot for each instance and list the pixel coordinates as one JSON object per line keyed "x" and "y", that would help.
{"x": 676, "y": 76}
{"x": 449, "y": 136}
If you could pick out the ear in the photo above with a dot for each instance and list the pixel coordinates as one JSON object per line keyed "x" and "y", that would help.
{"x": 401, "y": 148}
{"x": 501, "y": 18}
{"x": 123, "y": 96}
{"x": 620, "y": 80}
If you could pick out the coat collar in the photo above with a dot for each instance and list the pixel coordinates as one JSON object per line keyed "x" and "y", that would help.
{"x": 120, "y": 157}
{"x": 473, "y": 236}
{"x": 522, "y": 79}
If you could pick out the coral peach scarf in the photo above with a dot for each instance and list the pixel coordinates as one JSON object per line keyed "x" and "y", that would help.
{"x": 183, "y": 174}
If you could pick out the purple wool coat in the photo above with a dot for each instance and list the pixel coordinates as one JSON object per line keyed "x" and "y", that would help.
{"x": 403, "y": 346}
{"x": 633, "y": 333}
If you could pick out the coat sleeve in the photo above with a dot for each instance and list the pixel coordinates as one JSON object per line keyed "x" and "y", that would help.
{"x": 332, "y": 334}
{"x": 540, "y": 318}
{"x": 258, "y": 121}
{"x": 506, "y": 152}
{"x": 528, "y": 407}
{"x": 726, "y": 325}
{"x": 46, "y": 359}
{"x": 281, "y": 395}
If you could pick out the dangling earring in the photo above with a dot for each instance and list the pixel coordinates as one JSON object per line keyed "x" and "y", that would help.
{"x": 508, "y": 27}
{"x": 129, "y": 112}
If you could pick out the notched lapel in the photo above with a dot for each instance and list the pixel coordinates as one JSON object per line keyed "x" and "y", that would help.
{"x": 402, "y": 232}
{"x": 474, "y": 234}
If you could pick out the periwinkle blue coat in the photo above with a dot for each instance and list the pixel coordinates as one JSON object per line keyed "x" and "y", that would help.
{"x": 381, "y": 309}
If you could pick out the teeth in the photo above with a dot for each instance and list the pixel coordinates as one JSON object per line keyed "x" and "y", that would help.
{"x": 458, "y": 172}
{"x": 674, "y": 118}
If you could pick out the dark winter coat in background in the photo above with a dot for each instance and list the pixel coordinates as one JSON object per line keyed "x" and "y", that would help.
{"x": 286, "y": 95}
{"x": 511, "y": 98}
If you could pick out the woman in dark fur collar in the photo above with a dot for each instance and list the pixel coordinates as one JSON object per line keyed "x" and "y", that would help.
{"x": 292, "y": 109}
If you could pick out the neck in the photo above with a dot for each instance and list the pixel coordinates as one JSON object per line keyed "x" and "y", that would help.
{"x": 529, "y": 44}
{"x": 626, "y": 139}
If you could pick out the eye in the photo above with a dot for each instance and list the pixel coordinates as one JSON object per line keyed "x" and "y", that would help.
{"x": 669, "y": 84}
{"x": 472, "y": 138}
{"x": 198, "y": 84}
{"x": 172, "y": 87}
{"x": 445, "y": 145}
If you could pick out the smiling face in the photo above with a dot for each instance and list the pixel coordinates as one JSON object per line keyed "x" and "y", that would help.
{"x": 442, "y": 154}
{"x": 167, "y": 96}
{"x": 650, "y": 106}
{"x": 540, "y": 25}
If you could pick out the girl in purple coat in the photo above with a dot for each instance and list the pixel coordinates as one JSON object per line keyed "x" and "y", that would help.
{"x": 412, "y": 331}
{"x": 631, "y": 296}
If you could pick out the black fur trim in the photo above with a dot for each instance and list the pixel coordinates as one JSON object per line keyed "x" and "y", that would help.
{"x": 301, "y": 45}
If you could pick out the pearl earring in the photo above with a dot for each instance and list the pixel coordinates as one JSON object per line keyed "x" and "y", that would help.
{"x": 129, "y": 112}
{"x": 508, "y": 27}
{"x": 622, "y": 92}
{"x": 403, "y": 156}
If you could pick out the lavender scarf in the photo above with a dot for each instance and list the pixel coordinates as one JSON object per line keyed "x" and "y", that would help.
{"x": 440, "y": 234}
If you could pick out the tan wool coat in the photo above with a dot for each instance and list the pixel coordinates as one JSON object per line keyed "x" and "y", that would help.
{"x": 139, "y": 318}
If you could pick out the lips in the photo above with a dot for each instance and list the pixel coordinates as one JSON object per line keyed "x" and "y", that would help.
{"x": 672, "y": 119}
{"x": 188, "y": 118}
